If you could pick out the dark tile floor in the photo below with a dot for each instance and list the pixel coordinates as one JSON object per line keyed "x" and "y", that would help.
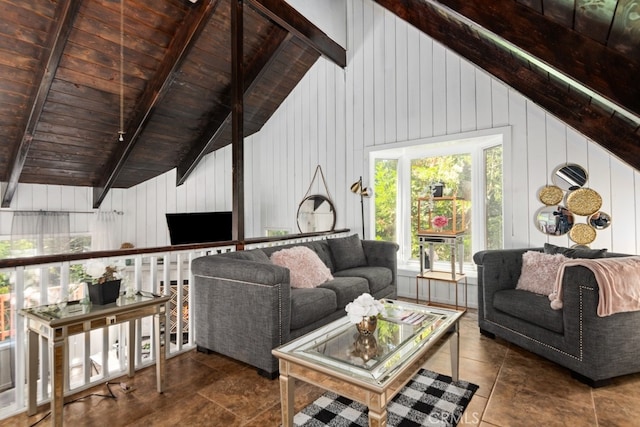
{"x": 517, "y": 389}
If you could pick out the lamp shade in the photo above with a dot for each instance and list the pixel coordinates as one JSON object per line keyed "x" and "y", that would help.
{"x": 357, "y": 188}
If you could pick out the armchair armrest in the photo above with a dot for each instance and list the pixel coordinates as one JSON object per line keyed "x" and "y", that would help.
{"x": 607, "y": 345}
{"x": 243, "y": 308}
{"x": 223, "y": 267}
{"x": 382, "y": 254}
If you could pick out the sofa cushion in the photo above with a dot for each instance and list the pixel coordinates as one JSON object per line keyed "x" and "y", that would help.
{"x": 347, "y": 289}
{"x": 310, "y": 305}
{"x": 530, "y": 307}
{"x": 378, "y": 278}
{"x": 347, "y": 252}
{"x": 539, "y": 271}
{"x": 305, "y": 267}
{"x": 253, "y": 255}
{"x": 320, "y": 247}
{"x": 574, "y": 252}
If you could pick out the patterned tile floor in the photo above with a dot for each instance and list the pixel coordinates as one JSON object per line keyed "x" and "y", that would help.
{"x": 517, "y": 389}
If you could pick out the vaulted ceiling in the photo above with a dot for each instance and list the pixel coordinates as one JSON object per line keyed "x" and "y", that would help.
{"x": 75, "y": 73}
{"x": 578, "y": 59}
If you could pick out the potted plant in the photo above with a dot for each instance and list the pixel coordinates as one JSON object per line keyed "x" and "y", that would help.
{"x": 105, "y": 286}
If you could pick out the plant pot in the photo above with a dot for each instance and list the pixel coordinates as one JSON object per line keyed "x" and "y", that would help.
{"x": 104, "y": 293}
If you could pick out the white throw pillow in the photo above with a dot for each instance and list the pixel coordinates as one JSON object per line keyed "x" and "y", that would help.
{"x": 306, "y": 269}
{"x": 539, "y": 271}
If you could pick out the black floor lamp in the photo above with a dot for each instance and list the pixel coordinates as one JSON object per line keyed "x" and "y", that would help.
{"x": 357, "y": 188}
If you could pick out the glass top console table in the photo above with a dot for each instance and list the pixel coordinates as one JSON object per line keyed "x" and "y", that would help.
{"x": 56, "y": 324}
{"x": 455, "y": 243}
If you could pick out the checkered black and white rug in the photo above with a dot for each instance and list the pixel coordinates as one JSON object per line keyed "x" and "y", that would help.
{"x": 429, "y": 399}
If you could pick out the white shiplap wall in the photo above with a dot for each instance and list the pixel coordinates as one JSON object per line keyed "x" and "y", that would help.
{"x": 31, "y": 197}
{"x": 399, "y": 85}
{"x": 144, "y": 206}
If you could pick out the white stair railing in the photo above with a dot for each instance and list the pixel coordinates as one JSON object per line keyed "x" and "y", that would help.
{"x": 92, "y": 355}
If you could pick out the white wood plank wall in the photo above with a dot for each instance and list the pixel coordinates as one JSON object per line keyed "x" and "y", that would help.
{"x": 399, "y": 85}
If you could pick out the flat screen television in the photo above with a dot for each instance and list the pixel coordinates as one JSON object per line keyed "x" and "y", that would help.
{"x": 199, "y": 227}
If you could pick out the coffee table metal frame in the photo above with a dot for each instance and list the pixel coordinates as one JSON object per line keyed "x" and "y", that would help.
{"x": 296, "y": 362}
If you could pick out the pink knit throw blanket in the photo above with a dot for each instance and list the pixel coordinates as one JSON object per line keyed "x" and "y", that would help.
{"x": 618, "y": 282}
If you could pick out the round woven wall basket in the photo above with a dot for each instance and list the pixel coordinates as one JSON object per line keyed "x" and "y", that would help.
{"x": 584, "y": 201}
{"x": 550, "y": 195}
{"x": 582, "y": 234}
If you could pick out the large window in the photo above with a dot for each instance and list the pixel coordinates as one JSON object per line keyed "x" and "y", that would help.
{"x": 470, "y": 170}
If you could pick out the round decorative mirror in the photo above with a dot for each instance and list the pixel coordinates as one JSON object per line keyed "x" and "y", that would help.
{"x": 569, "y": 176}
{"x": 600, "y": 220}
{"x": 554, "y": 220}
{"x": 316, "y": 213}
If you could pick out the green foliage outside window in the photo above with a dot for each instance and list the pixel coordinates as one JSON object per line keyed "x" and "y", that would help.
{"x": 454, "y": 171}
{"x": 494, "y": 225}
{"x": 386, "y": 191}
{"x": 26, "y": 247}
{"x": 32, "y": 276}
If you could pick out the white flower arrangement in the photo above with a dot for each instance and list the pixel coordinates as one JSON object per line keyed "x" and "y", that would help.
{"x": 102, "y": 272}
{"x": 363, "y": 306}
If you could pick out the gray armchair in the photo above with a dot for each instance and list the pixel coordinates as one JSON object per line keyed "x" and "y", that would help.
{"x": 593, "y": 348}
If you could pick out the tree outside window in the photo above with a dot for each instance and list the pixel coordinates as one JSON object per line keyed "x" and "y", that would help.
{"x": 404, "y": 175}
{"x": 493, "y": 191}
{"x": 386, "y": 191}
{"x": 454, "y": 172}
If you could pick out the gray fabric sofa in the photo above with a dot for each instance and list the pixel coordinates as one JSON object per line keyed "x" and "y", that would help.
{"x": 245, "y": 306}
{"x": 595, "y": 349}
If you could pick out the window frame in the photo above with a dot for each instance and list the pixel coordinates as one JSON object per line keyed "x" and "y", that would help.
{"x": 473, "y": 143}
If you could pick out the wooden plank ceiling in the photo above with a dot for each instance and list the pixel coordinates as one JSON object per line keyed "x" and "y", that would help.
{"x": 578, "y": 59}
{"x": 66, "y": 65}
{"x": 60, "y": 74}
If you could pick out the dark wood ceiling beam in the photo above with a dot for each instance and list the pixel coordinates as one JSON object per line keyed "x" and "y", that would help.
{"x": 156, "y": 89}
{"x": 63, "y": 21}
{"x": 237, "y": 119}
{"x": 591, "y": 63}
{"x": 611, "y": 131}
{"x": 291, "y": 20}
{"x": 221, "y": 118}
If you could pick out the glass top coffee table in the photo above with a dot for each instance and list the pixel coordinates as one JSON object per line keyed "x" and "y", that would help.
{"x": 370, "y": 369}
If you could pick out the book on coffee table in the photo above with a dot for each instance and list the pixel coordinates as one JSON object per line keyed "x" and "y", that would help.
{"x": 410, "y": 317}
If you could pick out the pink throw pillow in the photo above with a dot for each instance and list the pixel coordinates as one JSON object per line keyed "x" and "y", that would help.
{"x": 306, "y": 269}
{"x": 539, "y": 271}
